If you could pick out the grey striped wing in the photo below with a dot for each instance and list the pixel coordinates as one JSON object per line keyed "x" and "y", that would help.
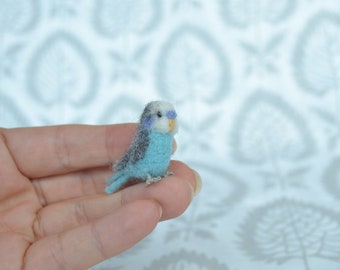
{"x": 136, "y": 151}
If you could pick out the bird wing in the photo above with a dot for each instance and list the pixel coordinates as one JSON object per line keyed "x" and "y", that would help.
{"x": 136, "y": 151}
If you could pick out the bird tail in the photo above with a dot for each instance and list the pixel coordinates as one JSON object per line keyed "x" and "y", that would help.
{"x": 115, "y": 182}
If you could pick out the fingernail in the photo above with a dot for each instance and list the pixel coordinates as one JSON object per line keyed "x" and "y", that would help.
{"x": 160, "y": 212}
{"x": 174, "y": 147}
{"x": 198, "y": 182}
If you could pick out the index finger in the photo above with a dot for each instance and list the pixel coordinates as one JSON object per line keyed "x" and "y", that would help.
{"x": 44, "y": 151}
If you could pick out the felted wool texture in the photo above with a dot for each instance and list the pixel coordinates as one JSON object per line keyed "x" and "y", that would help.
{"x": 157, "y": 156}
{"x": 154, "y": 163}
{"x": 149, "y": 154}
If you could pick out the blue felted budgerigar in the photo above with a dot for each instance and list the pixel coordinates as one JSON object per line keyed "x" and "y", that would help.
{"x": 148, "y": 157}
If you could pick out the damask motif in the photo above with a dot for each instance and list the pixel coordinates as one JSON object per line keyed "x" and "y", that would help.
{"x": 10, "y": 114}
{"x": 331, "y": 179}
{"x": 206, "y": 210}
{"x": 119, "y": 262}
{"x": 117, "y": 17}
{"x": 287, "y": 230}
{"x": 270, "y": 134}
{"x": 329, "y": 122}
{"x": 234, "y": 189}
{"x": 184, "y": 259}
{"x": 192, "y": 65}
{"x": 62, "y": 69}
{"x": 64, "y": 8}
{"x": 242, "y": 13}
{"x": 128, "y": 66}
{"x": 100, "y": 61}
{"x": 122, "y": 108}
{"x": 10, "y": 60}
{"x": 185, "y": 5}
{"x": 191, "y": 124}
{"x": 18, "y": 16}
{"x": 268, "y": 129}
{"x": 261, "y": 58}
{"x": 317, "y": 54}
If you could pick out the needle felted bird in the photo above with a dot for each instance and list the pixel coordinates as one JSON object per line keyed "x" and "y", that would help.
{"x": 148, "y": 156}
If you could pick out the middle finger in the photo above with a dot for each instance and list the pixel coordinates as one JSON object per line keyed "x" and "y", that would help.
{"x": 173, "y": 194}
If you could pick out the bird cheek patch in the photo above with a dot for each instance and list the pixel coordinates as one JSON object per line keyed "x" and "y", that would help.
{"x": 148, "y": 122}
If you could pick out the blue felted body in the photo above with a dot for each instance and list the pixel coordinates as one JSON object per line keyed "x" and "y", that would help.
{"x": 154, "y": 162}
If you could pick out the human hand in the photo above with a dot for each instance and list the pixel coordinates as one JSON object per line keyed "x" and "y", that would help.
{"x": 54, "y": 213}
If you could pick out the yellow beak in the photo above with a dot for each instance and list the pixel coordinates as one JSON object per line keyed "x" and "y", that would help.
{"x": 172, "y": 124}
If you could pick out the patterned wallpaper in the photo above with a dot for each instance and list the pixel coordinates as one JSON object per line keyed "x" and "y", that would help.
{"x": 256, "y": 86}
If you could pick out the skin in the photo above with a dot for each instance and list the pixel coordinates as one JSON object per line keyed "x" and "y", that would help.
{"x": 53, "y": 209}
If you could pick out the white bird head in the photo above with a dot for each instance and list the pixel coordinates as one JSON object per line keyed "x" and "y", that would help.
{"x": 159, "y": 116}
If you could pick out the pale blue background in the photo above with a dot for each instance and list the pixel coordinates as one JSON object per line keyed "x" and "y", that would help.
{"x": 256, "y": 86}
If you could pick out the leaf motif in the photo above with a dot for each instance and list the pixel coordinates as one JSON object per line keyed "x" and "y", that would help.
{"x": 292, "y": 176}
{"x": 9, "y": 60}
{"x": 208, "y": 216}
{"x": 14, "y": 49}
{"x": 296, "y": 176}
{"x": 127, "y": 66}
{"x": 250, "y": 48}
{"x": 210, "y": 119}
{"x": 61, "y": 68}
{"x": 63, "y": 8}
{"x": 116, "y": 57}
{"x": 192, "y": 64}
{"x": 184, "y": 259}
{"x": 205, "y": 234}
{"x": 191, "y": 226}
{"x": 262, "y": 57}
{"x": 140, "y": 52}
{"x": 198, "y": 139}
{"x": 317, "y": 54}
{"x": 127, "y": 111}
{"x": 331, "y": 179}
{"x": 326, "y": 116}
{"x": 206, "y": 211}
{"x": 267, "y": 129}
{"x": 329, "y": 124}
{"x": 18, "y": 16}
{"x": 10, "y": 113}
{"x": 186, "y": 5}
{"x": 234, "y": 188}
{"x": 116, "y": 17}
{"x": 242, "y": 13}
{"x": 286, "y": 229}
{"x": 274, "y": 42}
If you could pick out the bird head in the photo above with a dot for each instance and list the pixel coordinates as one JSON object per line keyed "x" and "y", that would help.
{"x": 159, "y": 116}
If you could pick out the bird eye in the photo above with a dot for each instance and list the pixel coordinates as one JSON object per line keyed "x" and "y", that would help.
{"x": 159, "y": 114}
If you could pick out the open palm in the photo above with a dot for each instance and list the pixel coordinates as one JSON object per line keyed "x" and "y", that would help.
{"x": 53, "y": 211}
